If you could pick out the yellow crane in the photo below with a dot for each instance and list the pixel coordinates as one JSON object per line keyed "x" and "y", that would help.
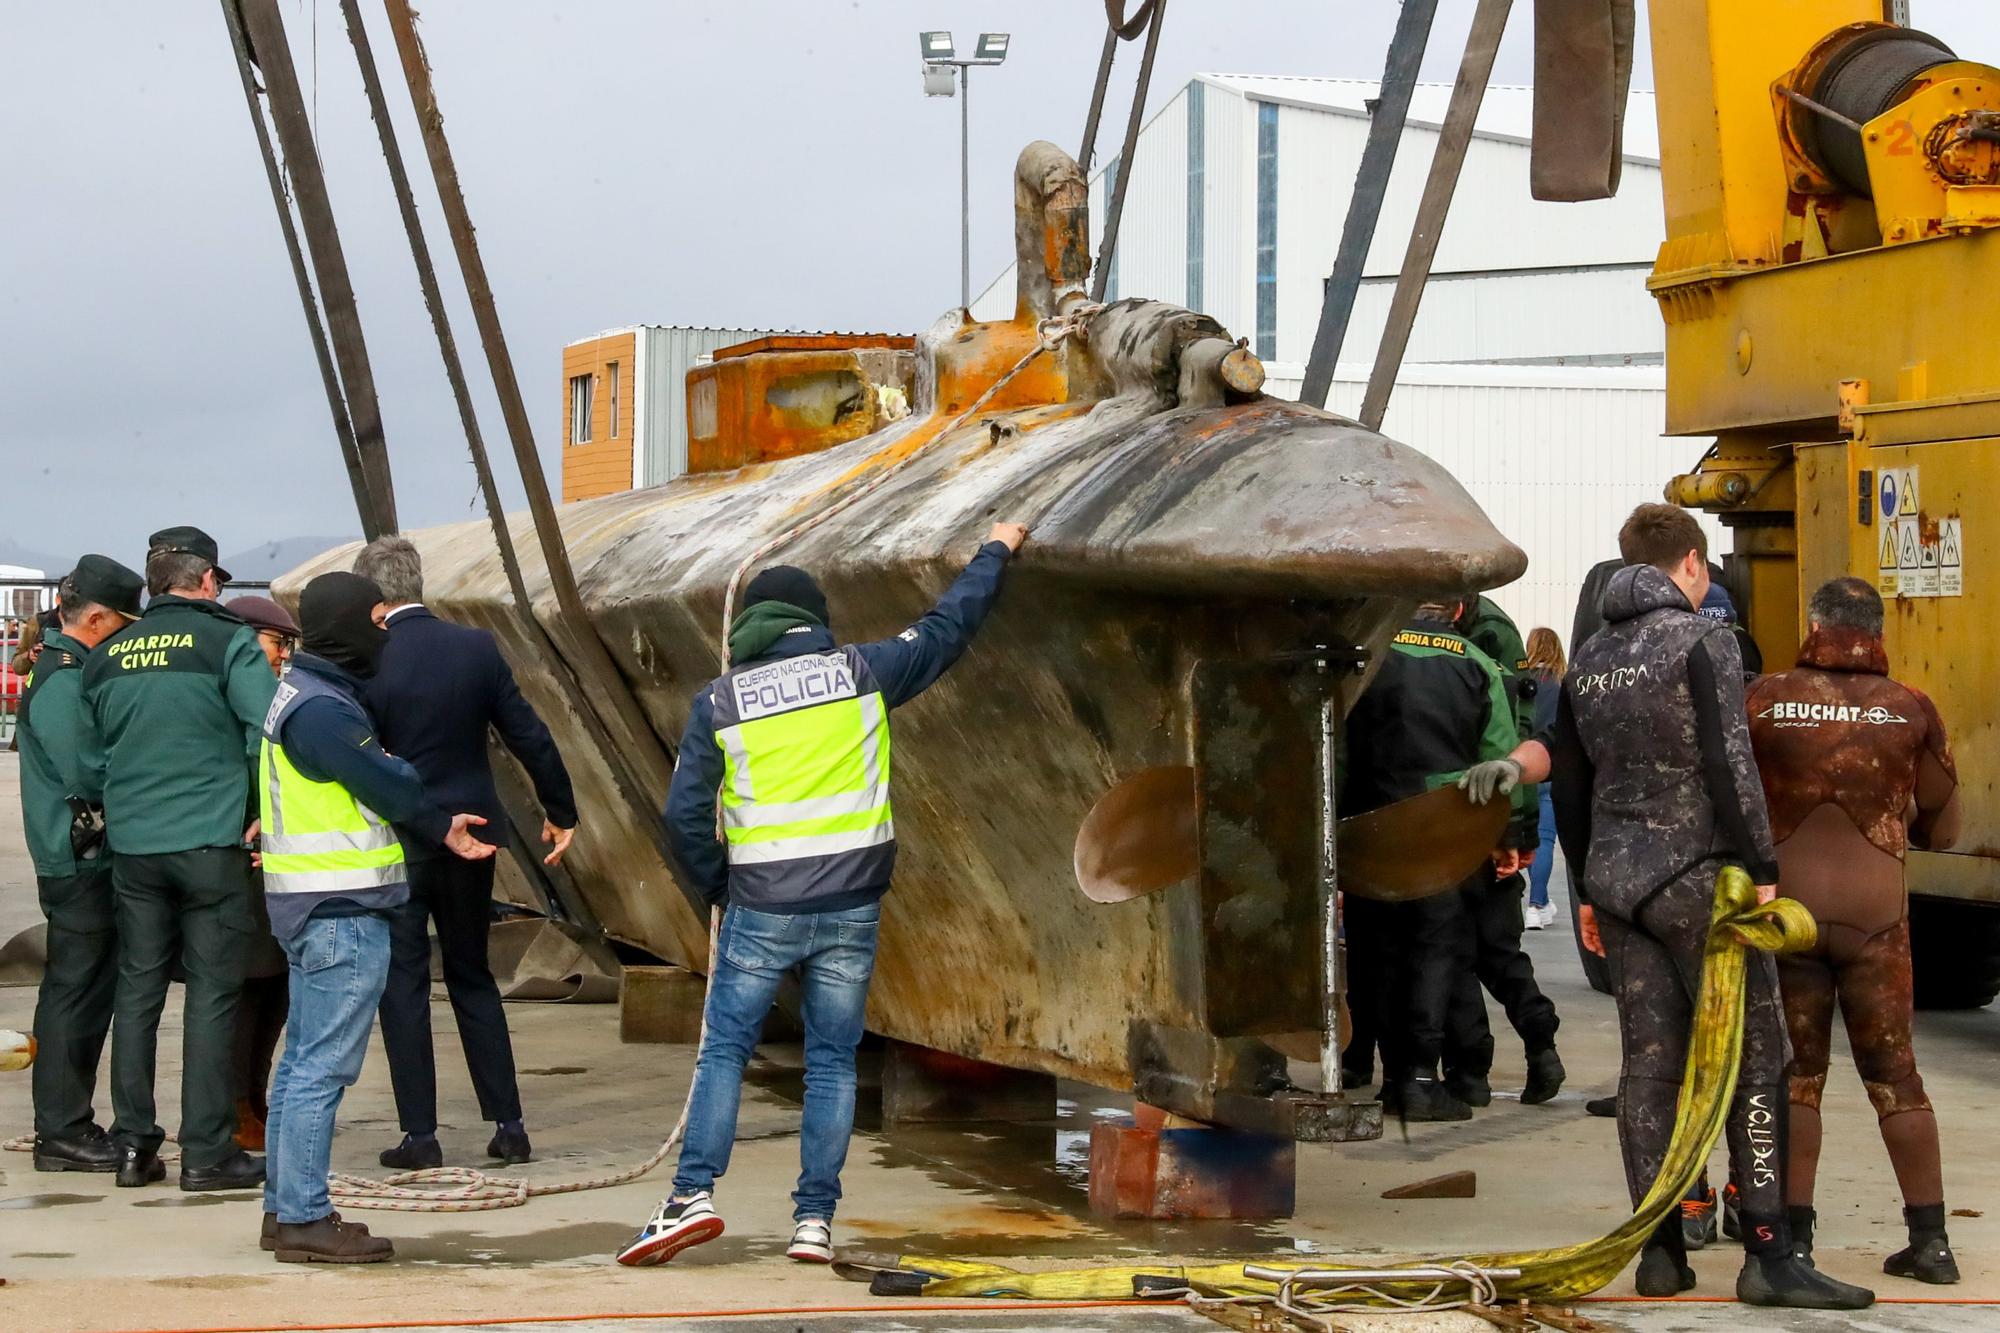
{"x": 1832, "y": 191}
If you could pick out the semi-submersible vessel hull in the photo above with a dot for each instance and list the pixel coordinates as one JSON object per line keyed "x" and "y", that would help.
{"x": 1206, "y": 563}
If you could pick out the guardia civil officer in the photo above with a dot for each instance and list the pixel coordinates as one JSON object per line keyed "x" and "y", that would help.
{"x": 793, "y": 745}
{"x": 1493, "y": 906}
{"x": 61, "y": 810}
{"x": 1655, "y": 790}
{"x": 176, "y": 701}
{"x": 1436, "y": 707}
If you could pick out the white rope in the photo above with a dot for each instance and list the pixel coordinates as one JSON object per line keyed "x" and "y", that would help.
{"x": 1049, "y": 335}
{"x": 1316, "y": 1309}
{"x": 462, "y": 1189}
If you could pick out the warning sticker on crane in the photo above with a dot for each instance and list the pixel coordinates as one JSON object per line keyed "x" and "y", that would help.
{"x": 1951, "y": 559}
{"x": 1928, "y": 580}
{"x": 1897, "y": 492}
{"x": 1887, "y": 571}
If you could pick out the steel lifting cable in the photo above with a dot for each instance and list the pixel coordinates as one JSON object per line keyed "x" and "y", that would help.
{"x": 456, "y": 1189}
{"x": 1049, "y": 335}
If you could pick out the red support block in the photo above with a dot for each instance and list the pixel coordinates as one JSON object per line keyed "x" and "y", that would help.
{"x": 1205, "y": 1172}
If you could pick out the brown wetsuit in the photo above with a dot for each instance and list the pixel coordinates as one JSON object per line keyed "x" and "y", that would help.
{"x": 1856, "y": 768}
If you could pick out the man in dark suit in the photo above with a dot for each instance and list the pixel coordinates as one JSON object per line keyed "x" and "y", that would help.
{"x": 437, "y": 689}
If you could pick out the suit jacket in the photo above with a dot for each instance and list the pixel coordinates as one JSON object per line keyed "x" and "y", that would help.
{"x": 435, "y": 691}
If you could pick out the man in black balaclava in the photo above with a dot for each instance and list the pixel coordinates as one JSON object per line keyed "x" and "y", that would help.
{"x": 333, "y": 871}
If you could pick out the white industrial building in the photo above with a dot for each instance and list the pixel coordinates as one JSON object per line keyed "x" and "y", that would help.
{"x": 1533, "y": 371}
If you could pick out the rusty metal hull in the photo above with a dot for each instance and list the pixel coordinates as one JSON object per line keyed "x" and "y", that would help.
{"x": 1161, "y": 540}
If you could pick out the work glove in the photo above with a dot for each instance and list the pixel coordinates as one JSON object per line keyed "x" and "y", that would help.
{"x": 1496, "y": 777}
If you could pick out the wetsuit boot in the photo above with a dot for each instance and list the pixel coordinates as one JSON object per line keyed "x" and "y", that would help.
{"x": 1663, "y": 1265}
{"x": 1773, "y": 1275}
{"x": 1801, "y": 1221}
{"x": 1929, "y": 1257}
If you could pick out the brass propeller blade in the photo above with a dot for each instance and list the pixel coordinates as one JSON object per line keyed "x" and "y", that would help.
{"x": 1141, "y": 837}
{"x": 1417, "y": 847}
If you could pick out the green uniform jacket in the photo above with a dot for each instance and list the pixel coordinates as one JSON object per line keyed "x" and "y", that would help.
{"x": 1493, "y": 632}
{"x": 1436, "y": 706}
{"x": 177, "y": 702}
{"x": 54, "y": 736}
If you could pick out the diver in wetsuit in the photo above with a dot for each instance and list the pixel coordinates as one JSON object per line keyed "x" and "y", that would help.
{"x": 1856, "y": 768}
{"x": 1655, "y": 790}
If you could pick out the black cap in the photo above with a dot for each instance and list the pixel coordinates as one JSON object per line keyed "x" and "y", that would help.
{"x": 187, "y": 541}
{"x": 788, "y": 584}
{"x": 102, "y": 580}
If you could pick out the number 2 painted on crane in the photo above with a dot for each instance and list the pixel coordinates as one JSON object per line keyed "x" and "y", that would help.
{"x": 1902, "y": 139}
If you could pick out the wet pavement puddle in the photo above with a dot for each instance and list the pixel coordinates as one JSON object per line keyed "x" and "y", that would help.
{"x": 1030, "y": 1183}
{"x": 30, "y": 1201}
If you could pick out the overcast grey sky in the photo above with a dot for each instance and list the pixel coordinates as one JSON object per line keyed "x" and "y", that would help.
{"x": 743, "y": 163}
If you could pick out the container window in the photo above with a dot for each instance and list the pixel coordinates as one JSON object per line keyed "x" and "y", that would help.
{"x": 1267, "y": 230}
{"x": 611, "y": 392}
{"x": 579, "y": 409}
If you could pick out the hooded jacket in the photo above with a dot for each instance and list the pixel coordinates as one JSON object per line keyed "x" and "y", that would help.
{"x": 1653, "y": 769}
{"x": 1856, "y": 768}
{"x": 902, "y": 667}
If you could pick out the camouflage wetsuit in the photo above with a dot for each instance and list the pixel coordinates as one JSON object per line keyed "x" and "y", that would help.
{"x": 1655, "y": 789}
{"x": 1856, "y": 767}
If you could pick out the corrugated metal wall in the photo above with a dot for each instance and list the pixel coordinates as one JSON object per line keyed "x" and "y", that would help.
{"x": 1557, "y": 456}
{"x": 1578, "y": 312}
{"x": 670, "y": 352}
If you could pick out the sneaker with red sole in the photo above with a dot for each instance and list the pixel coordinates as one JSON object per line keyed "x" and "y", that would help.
{"x": 676, "y": 1225}
{"x": 812, "y": 1241}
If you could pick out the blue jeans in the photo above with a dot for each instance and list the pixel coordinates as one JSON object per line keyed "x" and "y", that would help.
{"x": 1545, "y": 859}
{"x": 338, "y": 967}
{"x": 835, "y": 955}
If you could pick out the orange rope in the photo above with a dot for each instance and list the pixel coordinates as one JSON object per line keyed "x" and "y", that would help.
{"x": 896, "y": 1307}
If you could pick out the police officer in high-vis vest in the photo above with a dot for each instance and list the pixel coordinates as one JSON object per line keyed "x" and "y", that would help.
{"x": 175, "y": 701}
{"x": 333, "y": 873}
{"x": 788, "y": 754}
{"x": 61, "y": 811}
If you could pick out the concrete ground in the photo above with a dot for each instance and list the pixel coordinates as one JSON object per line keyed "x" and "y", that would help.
{"x": 80, "y": 1255}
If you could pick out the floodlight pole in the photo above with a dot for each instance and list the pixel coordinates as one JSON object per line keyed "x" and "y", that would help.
{"x": 965, "y": 186}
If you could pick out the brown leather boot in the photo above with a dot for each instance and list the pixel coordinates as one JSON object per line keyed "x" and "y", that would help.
{"x": 329, "y": 1241}
{"x": 267, "y": 1239}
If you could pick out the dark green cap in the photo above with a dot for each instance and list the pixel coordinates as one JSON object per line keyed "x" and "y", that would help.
{"x": 102, "y": 580}
{"x": 186, "y": 541}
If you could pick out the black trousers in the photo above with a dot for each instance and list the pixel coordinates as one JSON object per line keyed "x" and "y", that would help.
{"x": 73, "y": 1008}
{"x": 193, "y": 907}
{"x": 1494, "y": 924}
{"x": 261, "y": 1011}
{"x": 1401, "y": 961}
{"x": 458, "y": 896}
